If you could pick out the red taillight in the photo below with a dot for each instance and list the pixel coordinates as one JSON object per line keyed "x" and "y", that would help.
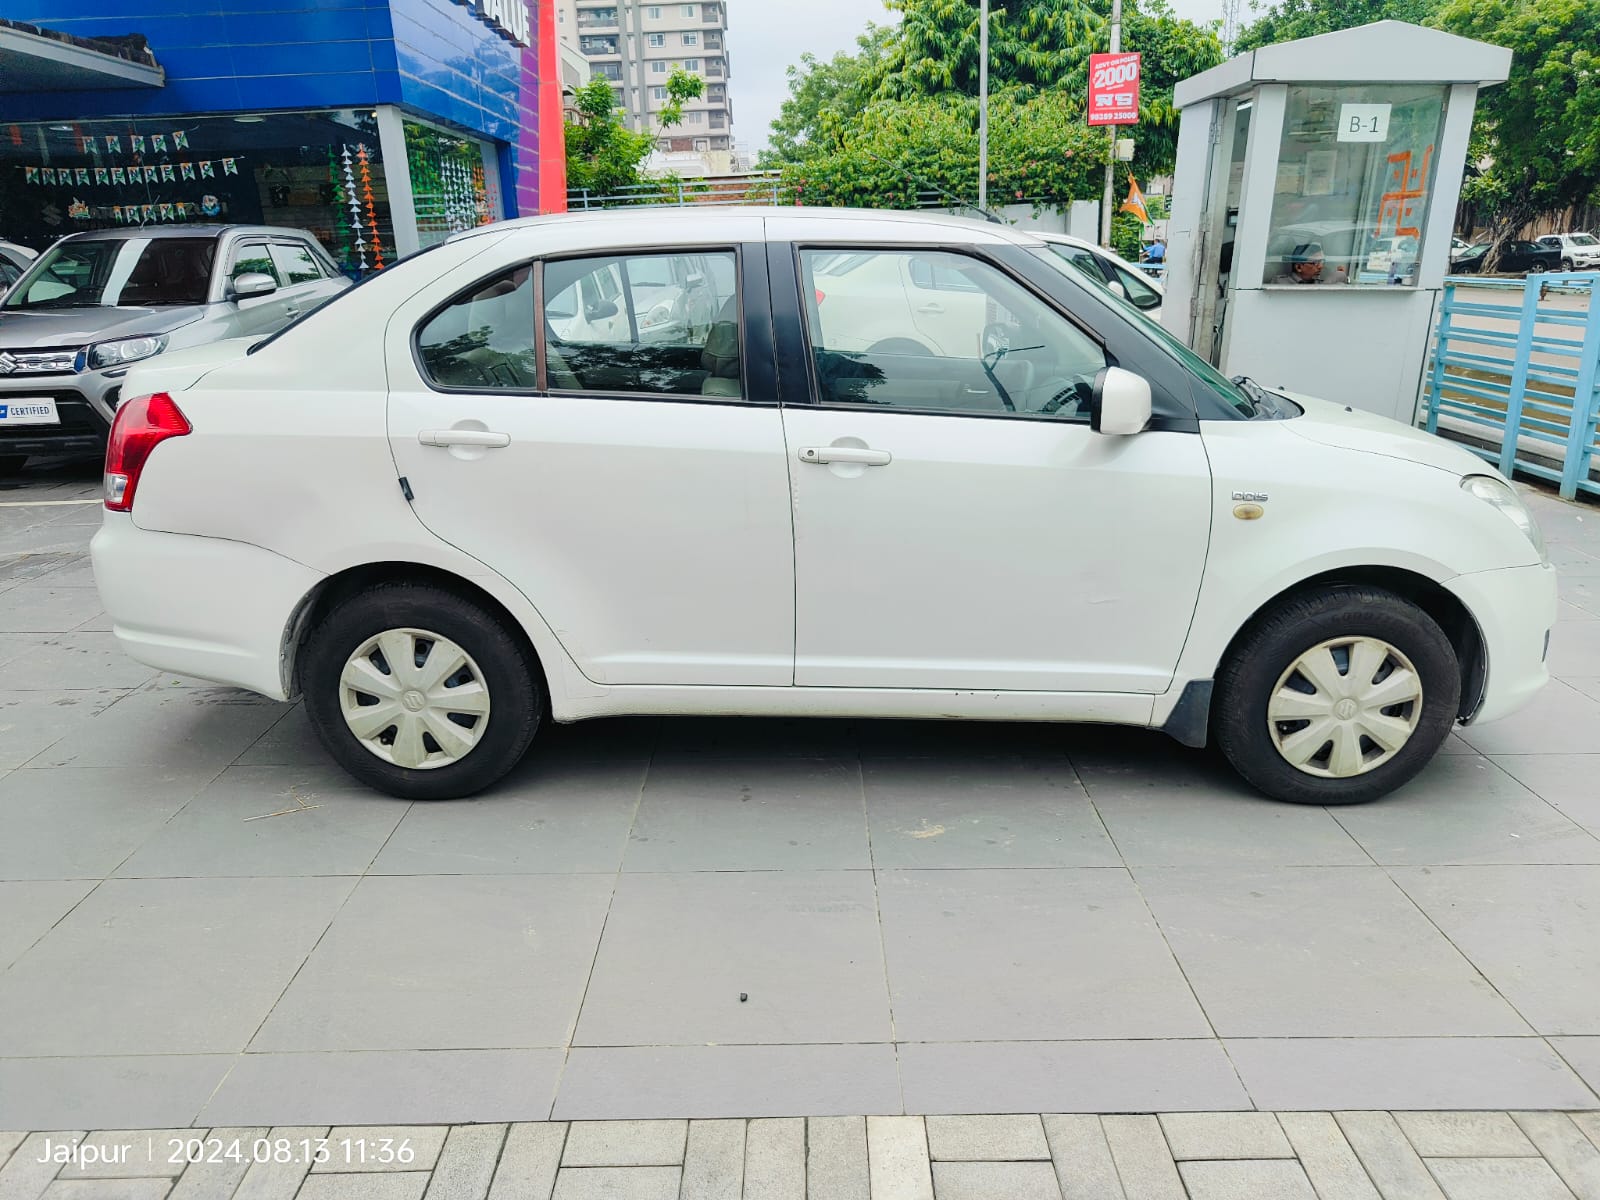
{"x": 141, "y": 425}
{"x": 820, "y": 296}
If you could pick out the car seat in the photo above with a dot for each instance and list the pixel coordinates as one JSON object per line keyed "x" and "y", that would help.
{"x": 721, "y": 354}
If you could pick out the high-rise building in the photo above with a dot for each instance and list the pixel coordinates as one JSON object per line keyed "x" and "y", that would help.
{"x": 638, "y": 45}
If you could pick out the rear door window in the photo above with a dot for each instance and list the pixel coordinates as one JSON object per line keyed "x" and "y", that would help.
{"x": 658, "y": 324}
{"x": 295, "y": 263}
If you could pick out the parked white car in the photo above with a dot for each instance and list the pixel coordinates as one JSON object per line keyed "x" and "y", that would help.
{"x": 1122, "y": 277}
{"x": 675, "y": 297}
{"x": 1579, "y": 251}
{"x": 448, "y": 529}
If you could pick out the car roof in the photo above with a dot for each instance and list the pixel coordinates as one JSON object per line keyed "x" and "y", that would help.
{"x": 181, "y": 231}
{"x": 695, "y": 221}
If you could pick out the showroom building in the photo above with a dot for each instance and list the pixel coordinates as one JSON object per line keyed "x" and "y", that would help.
{"x": 382, "y": 126}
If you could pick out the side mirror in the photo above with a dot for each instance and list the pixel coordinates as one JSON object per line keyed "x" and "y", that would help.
{"x": 1117, "y": 290}
{"x": 251, "y": 284}
{"x": 600, "y": 310}
{"x": 1121, "y": 404}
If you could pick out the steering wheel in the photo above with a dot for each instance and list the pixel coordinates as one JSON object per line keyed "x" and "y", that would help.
{"x": 1068, "y": 398}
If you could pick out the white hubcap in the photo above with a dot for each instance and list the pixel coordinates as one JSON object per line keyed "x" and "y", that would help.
{"x": 414, "y": 699}
{"x": 1345, "y": 707}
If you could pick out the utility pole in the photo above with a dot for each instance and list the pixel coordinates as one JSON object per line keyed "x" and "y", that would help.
{"x": 983, "y": 103}
{"x": 1111, "y": 159}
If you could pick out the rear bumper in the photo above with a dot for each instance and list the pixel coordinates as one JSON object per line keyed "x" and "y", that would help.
{"x": 198, "y": 606}
{"x": 1515, "y": 609}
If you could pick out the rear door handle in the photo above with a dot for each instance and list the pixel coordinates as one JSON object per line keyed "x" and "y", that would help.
{"x": 464, "y": 437}
{"x": 822, "y": 455}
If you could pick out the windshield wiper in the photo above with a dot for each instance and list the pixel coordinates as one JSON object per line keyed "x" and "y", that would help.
{"x": 53, "y": 304}
{"x": 1260, "y": 399}
{"x": 988, "y": 369}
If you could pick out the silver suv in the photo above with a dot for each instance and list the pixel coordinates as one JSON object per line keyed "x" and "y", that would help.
{"x": 95, "y": 303}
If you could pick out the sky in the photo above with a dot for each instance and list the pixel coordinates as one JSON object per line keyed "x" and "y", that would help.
{"x": 766, "y": 36}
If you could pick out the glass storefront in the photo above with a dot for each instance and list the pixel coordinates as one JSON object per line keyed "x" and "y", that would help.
{"x": 318, "y": 171}
{"x": 450, "y": 186}
{"x": 1356, "y": 169}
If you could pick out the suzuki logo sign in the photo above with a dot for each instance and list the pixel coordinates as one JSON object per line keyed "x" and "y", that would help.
{"x": 7, "y": 363}
{"x": 508, "y": 17}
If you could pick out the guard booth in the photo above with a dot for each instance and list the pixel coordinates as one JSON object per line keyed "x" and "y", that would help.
{"x": 1314, "y": 198}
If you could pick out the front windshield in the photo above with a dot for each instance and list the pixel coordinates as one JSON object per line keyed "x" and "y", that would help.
{"x": 1236, "y": 398}
{"x": 1584, "y": 239}
{"x": 118, "y": 273}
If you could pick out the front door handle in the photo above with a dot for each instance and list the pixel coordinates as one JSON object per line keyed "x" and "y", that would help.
{"x": 932, "y": 309}
{"x": 822, "y": 455}
{"x": 464, "y": 437}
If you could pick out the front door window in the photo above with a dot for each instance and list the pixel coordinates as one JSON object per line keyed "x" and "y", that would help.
{"x": 936, "y": 331}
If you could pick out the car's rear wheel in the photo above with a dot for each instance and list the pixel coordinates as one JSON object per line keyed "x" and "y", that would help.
{"x": 1337, "y": 697}
{"x": 420, "y": 692}
{"x": 1537, "y": 268}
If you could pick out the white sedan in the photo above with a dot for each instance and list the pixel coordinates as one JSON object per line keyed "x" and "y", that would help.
{"x": 444, "y": 523}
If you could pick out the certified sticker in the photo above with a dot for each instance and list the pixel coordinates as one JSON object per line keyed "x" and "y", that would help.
{"x": 27, "y": 410}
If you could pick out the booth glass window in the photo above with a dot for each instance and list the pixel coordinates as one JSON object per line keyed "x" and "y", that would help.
{"x": 449, "y": 184}
{"x": 1356, "y": 171}
{"x": 318, "y": 171}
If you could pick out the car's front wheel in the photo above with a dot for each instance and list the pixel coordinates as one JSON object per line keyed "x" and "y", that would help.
{"x": 1337, "y": 697}
{"x": 420, "y": 692}
{"x": 1566, "y": 264}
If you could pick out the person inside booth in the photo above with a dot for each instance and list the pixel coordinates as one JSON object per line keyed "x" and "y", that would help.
{"x": 1304, "y": 264}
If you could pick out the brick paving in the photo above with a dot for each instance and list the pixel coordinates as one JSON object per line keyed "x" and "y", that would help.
{"x": 1184, "y": 1156}
{"x": 206, "y": 924}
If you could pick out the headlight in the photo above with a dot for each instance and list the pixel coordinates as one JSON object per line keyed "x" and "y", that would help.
{"x": 1496, "y": 491}
{"x": 659, "y": 315}
{"x": 125, "y": 350}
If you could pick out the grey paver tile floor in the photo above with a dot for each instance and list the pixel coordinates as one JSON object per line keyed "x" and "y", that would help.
{"x": 778, "y": 919}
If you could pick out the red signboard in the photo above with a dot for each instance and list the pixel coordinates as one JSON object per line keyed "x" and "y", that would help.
{"x": 1113, "y": 89}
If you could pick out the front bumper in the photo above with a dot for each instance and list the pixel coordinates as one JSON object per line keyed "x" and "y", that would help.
{"x": 1515, "y": 609}
{"x": 86, "y": 403}
{"x": 199, "y": 606}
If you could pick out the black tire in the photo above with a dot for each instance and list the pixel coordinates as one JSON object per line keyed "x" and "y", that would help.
{"x": 510, "y": 674}
{"x": 1566, "y": 264}
{"x": 1259, "y": 659}
{"x": 12, "y": 464}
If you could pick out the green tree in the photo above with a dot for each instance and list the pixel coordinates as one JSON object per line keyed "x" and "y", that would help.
{"x": 1171, "y": 50}
{"x": 603, "y": 155}
{"x": 1291, "y": 19}
{"x": 1541, "y": 128}
{"x": 826, "y": 96}
{"x": 681, "y": 86}
{"x": 1033, "y": 45}
{"x": 1037, "y": 48}
{"x": 1039, "y": 150}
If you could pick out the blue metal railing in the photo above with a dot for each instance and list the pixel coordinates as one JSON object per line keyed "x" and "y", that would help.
{"x": 1504, "y": 362}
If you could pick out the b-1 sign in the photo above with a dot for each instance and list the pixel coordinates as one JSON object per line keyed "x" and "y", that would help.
{"x": 1113, "y": 89}
{"x": 1364, "y": 122}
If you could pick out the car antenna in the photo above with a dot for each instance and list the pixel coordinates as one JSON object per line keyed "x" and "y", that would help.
{"x": 955, "y": 201}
